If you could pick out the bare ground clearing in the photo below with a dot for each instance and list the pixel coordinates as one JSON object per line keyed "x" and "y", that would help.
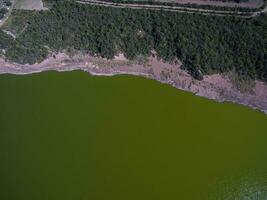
{"x": 29, "y": 5}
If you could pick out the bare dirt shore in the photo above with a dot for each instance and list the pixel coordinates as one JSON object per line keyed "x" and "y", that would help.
{"x": 218, "y": 87}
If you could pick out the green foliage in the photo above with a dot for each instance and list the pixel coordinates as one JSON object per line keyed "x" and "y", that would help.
{"x": 205, "y": 44}
{"x": 22, "y": 54}
{"x": 8, "y": 2}
{"x": 5, "y": 41}
{"x": 3, "y": 11}
{"x": 18, "y": 21}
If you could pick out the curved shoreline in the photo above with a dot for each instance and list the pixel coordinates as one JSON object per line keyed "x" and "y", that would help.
{"x": 216, "y": 87}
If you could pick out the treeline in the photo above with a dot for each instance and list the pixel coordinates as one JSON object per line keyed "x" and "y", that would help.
{"x": 205, "y": 44}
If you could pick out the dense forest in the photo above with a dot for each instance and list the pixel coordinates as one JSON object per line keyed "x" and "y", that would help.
{"x": 205, "y": 44}
{"x": 5, "y": 41}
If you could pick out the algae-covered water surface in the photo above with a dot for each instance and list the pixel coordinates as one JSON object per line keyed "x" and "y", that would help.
{"x": 72, "y": 136}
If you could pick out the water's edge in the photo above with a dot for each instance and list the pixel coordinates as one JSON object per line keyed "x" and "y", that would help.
{"x": 206, "y": 88}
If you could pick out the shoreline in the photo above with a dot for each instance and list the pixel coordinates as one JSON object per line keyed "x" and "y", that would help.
{"x": 215, "y": 87}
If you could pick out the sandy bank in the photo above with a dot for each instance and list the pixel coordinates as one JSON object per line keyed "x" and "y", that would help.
{"x": 217, "y": 87}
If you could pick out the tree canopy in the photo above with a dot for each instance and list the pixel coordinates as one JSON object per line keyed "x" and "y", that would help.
{"x": 204, "y": 44}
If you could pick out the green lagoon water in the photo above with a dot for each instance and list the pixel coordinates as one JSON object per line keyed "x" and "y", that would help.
{"x": 72, "y": 136}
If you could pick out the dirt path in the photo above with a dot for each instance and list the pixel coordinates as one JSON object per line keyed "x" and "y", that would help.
{"x": 9, "y": 33}
{"x": 264, "y": 10}
{"x": 175, "y": 8}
